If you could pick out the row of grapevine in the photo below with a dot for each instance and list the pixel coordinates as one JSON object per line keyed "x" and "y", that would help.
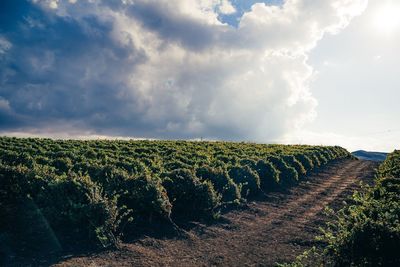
{"x": 367, "y": 233}
{"x": 94, "y": 191}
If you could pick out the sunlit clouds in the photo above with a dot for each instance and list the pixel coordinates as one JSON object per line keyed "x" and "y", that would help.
{"x": 163, "y": 69}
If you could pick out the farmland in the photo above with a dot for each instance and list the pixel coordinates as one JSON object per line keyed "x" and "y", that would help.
{"x": 367, "y": 232}
{"x": 95, "y": 193}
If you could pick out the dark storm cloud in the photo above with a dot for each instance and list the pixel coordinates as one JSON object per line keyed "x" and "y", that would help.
{"x": 172, "y": 26}
{"x": 159, "y": 68}
{"x": 60, "y": 68}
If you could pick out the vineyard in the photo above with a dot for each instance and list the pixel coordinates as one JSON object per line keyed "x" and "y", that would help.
{"x": 366, "y": 232}
{"x": 95, "y": 192}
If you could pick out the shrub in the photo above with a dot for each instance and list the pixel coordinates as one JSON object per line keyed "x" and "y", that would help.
{"x": 328, "y": 154}
{"x": 221, "y": 181}
{"x": 174, "y": 165}
{"x": 132, "y": 166}
{"x": 305, "y": 161}
{"x": 190, "y": 197}
{"x": 146, "y": 197}
{"x": 269, "y": 175}
{"x": 227, "y": 159}
{"x": 322, "y": 159}
{"x": 315, "y": 159}
{"x": 78, "y": 211}
{"x": 368, "y": 232}
{"x": 62, "y": 165}
{"x": 340, "y": 152}
{"x": 217, "y": 164}
{"x": 293, "y": 162}
{"x": 391, "y": 166}
{"x": 14, "y": 182}
{"x": 248, "y": 162}
{"x": 249, "y": 179}
{"x": 288, "y": 175}
{"x": 9, "y": 157}
{"x": 109, "y": 177}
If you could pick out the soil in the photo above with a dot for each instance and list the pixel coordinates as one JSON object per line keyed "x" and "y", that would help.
{"x": 276, "y": 229}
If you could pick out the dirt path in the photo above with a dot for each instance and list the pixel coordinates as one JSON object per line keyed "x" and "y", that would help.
{"x": 267, "y": 232}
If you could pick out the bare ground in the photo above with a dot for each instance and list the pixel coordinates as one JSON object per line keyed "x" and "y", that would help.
{"x": 270, "y": 231}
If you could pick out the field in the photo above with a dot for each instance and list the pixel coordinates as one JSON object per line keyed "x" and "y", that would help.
{"x": 152, "y": 203}
{"x": 266, "y": 232}
{"x": 367, "y": 233}
{"x": 96, "y": 192}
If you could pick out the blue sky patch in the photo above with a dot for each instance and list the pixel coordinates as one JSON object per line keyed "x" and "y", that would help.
{"x": 241, "y": 7}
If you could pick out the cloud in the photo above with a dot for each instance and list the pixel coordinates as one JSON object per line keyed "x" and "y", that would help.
{"x": 163, "y": 69}
{"x": 226, "y": 7}
{"x": 5, "y": 45}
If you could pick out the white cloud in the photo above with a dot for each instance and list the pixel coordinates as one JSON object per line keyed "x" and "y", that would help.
{"x": 298, "y": 25}
{"x": 4, "y": 104}
{"x": 247, "y": 83}
{"x": 5, "y": 45}
{"x": 196, "y": 76}
{"x": 226, "y": 7}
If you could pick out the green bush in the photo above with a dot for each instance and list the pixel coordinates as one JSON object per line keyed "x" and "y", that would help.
{"x": 305, "y": 161}
{"x": 146, "y": 197}
{"x": 391, "y": 166}
{"x": 293, "y": 162}
{"x": 190, "y": 197}
{"x": 175, "y": 165}
{"x": 247, "y": 178}
{"x": 315, "y": 159}
{"x": 131, "y": 166}
{"x": 62, "y": 165}
{"x": 368, "y": 233}
{"x": 81, "y": 185}
{"x": 14, "y": 182}
{"x": 78, "y": 211}
{"x": 288, "y": 175}
{"x": 248, "y": 162}
{"x": 322, "y": 159}
{"x": 269, "y": 175}
{"x": 221, "y": 181}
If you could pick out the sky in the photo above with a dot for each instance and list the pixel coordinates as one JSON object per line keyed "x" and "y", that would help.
{"x": 296, "y": 71}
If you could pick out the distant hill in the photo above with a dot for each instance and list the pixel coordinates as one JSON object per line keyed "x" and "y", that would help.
{"x": 366, "y": 155}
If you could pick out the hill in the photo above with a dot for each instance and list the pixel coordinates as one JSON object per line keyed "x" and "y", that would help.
{"x": 367, "y": 155}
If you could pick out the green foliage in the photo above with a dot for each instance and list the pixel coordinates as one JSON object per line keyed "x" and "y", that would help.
{"x": 367, "y": 233}
{"x": 88, "y": 190}
{"x": 321, "y": 158}
{"x": 269, "y": 175}
{"x": 247, "y": 178}
{"x": 78, "y": 211}
{"x": 391, "y": 166}
{"x": 316, "y": 162}
{"x": 62, "y": 165}
{"x": 288, "y": 175}
{"x": 310, "y": 258}
{"x": 221, "y": 181}
{"x": 146, "y": 197}
{"x": 189, "y": 196}
{"x": 293, "y": 162}
{"x": 305, "y": 161}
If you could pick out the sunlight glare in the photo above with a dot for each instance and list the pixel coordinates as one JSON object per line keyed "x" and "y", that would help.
{"x": 387, "y": 19}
